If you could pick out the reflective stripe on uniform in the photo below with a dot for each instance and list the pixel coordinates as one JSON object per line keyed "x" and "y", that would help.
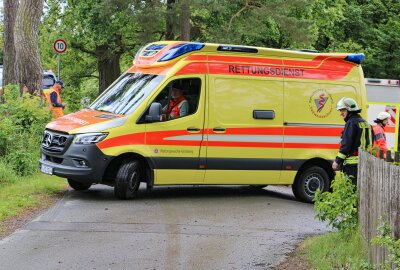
{"x": 366, "y": 131}
{"x": 351, "y": 160}
{"x": 342, "y": 156}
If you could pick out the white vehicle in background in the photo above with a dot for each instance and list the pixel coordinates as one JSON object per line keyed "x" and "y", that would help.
{"x": 49, "y": 78}
{"x": 383, "y": 95}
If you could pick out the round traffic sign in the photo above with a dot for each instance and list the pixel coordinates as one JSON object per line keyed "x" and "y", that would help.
{"x": 60, "y": 46}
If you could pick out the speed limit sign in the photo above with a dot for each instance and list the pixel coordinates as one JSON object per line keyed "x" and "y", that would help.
{"x": 60, "y": 46}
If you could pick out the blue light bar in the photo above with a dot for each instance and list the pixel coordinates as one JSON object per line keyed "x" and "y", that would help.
{"x": 355, "y": 58}
{"x": 181, "y": 49}
{"x": 155, "y": 47}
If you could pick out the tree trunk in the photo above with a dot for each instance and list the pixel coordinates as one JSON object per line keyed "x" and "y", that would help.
{"x": 10, "y": 71}
{"x": 109, "y": 70}
{"x": 185, "y": 21}
{"x": 169, "y": 20}
{"x": 26, "y": 44}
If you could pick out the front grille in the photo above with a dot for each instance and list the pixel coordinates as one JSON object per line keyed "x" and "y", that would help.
{"x": 53, "y": 159}
{"x": 55, "y": 142}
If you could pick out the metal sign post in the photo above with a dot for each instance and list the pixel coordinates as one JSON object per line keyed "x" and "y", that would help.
{"x": 60, "y": 46}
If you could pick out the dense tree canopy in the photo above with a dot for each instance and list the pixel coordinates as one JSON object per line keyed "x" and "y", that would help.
{"x": 103, "y": 35}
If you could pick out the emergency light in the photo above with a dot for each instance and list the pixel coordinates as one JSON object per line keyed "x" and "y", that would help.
{"x": 181, "y": 49}
{"x": 355, "y": 58}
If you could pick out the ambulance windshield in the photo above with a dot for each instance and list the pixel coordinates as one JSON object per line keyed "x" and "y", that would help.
{"x": 127, "y": 93}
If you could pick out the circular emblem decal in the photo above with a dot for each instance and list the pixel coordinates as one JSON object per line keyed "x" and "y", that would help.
{"x": 321, "y": 103}
{"x": 156, "y": 150}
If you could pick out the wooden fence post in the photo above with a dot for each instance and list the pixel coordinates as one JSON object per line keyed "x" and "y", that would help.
{"x": 379, "y": 196}
{"x": 388, "y": 156}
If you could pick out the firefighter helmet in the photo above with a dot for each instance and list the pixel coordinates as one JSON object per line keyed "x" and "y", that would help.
{"x": 348, "y": 104}
{"x": 383, "y": 115}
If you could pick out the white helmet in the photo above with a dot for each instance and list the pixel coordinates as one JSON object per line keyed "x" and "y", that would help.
{"x": 383, "y": 115}
{"x": 348, "y": 104}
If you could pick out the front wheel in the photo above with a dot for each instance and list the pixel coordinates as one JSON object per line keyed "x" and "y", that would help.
{"x": 78, "y": 185}
{"x": 127, "y": 181}
{"x": 308, "y": 182}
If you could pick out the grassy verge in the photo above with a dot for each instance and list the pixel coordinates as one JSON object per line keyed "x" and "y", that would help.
{"x": 336, "y": 251}
{"x": 28, "y": 193}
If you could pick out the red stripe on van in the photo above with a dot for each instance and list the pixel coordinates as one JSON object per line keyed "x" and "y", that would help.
{"x": 311, "y": 145}
{"x": 194, "y": 68}
{"x": 251, "y": 131}
{"x": 243, "y": 59}
{"x": 155, "y": 70}
{"x": 320, "y": 68}
{"x": 313, "y": 131}
{"x": 196, "y": 57}
{"x": 161, "y": 138}
{"x": 245, "y": 144}
{"x": 129, "y": 139}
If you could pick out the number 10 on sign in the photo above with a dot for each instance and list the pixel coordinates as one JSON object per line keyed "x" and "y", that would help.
{"x": 60, "y": 46}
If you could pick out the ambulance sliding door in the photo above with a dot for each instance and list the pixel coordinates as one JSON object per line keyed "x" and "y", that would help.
{"x": 244, "y": 130}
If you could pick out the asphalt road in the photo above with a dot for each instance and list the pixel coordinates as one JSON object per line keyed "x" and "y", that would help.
{"x": 186, "y": 227}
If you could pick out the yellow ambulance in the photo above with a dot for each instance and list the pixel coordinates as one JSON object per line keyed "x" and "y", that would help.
{"x": 210, "y": 114}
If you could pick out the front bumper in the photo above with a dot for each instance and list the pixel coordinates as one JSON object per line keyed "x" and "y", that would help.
{"x": 82, "y": 163}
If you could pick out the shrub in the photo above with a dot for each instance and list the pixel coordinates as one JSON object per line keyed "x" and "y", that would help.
{"x": 339, "y": 207}
{"x": 22, "y": 121}
{"x": 6, "y": 173}
{"x": 384, "y": 239}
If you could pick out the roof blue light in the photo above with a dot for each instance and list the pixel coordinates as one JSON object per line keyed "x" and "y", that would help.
{"x": 355, "y": 58}
{"x": 181, "y": 49}
{"x": 155, "y": 47}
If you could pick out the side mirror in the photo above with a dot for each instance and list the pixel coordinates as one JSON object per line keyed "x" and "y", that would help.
{"x": 155, "y": 112}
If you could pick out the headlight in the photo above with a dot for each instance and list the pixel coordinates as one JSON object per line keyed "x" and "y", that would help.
{"x": 89, "y": 138}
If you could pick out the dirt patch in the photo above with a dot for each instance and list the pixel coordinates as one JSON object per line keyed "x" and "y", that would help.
{"x": 10, "y": 225}
{"x": 294, "y": 261}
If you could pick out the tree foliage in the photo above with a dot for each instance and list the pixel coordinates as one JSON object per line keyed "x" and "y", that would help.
{"x": 103, "y": 35}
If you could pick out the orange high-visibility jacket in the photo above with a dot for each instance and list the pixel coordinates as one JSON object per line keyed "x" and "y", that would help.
{"x": 380, "y": 138}
{"x": 56, "y": 111}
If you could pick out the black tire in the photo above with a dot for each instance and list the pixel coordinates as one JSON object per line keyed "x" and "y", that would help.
{"x": 78, "y": 185}
{"x": 308, "y": 181}
{"x": 127, "y": 181}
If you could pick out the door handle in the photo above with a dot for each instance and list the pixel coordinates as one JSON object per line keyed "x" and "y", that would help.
{"x": 193, "y": 129}
{"x": 219, "y": 130}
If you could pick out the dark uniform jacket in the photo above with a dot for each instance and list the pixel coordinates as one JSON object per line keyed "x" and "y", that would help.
{"x": 357, "y": 133}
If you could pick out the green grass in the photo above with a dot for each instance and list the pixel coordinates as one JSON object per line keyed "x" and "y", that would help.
{"x": 336, "y": 251}
{"x": 24, "y": 193}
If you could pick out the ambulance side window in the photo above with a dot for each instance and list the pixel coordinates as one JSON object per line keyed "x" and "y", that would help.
{"x": 180, "y": 98}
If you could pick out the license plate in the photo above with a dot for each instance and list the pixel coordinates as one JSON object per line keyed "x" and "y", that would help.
{"x": 46, "y": 169}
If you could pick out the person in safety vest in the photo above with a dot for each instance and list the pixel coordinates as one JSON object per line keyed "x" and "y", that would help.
{"x": 379, "y": 131}
{"x": 54, "y": 99}
{"x": 178, "y": 105}
{"x": 357, "y": 133}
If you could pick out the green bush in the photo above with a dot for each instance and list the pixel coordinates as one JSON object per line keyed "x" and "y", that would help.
{"x": 6, "y": 174}
{"x": 384, "y": 239}
{"x": 338, "y": 207}
{"x": 22, "y": 121}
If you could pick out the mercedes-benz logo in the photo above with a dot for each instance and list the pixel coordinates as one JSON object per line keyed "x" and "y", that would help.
{"x": 47, "y": 139}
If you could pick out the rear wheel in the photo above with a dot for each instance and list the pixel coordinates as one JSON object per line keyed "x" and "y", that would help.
{"x": 78, "y": 185}
{"x": 127, "y": 181}
{"x": 308, "y": 182}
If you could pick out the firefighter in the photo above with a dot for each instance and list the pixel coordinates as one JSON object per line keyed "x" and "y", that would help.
{"x": 357, "y": 133}
{"x": 379, "y": 131}
{"x": 54, "y": 99}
